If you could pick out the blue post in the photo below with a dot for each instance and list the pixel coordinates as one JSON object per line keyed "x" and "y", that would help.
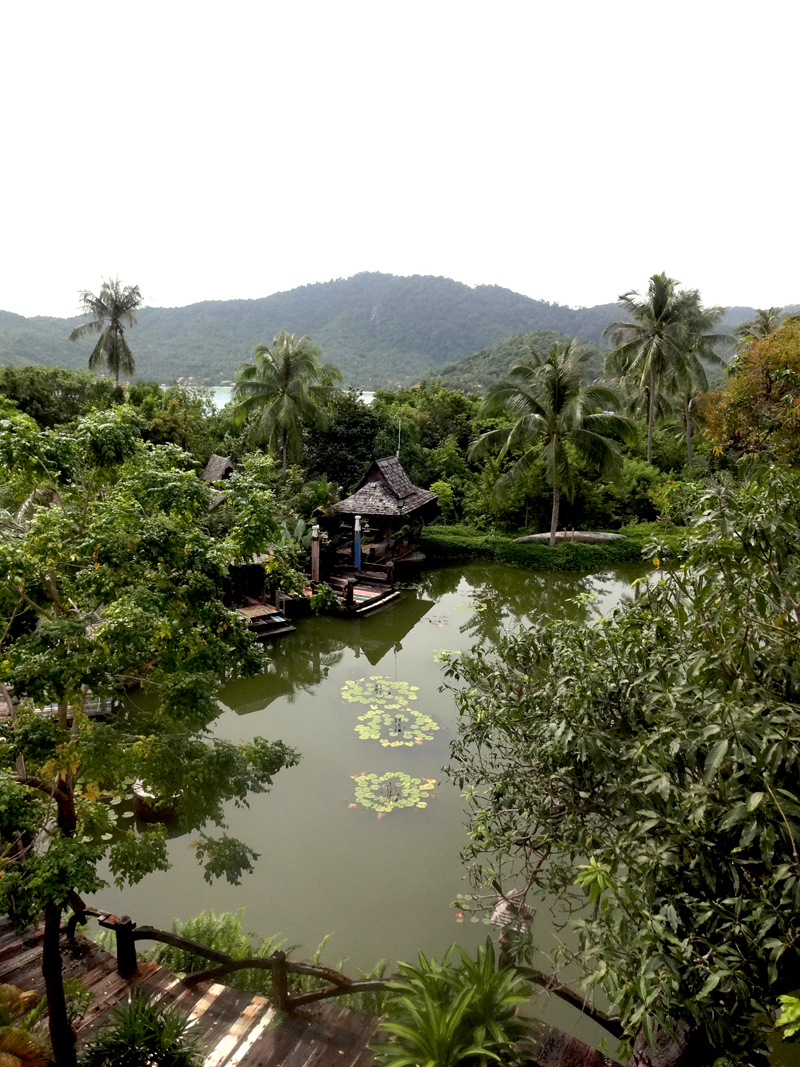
{"x": 357, "y": 545}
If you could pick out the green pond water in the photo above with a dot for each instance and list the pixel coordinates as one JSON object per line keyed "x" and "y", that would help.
{"x": 382, "y": 885}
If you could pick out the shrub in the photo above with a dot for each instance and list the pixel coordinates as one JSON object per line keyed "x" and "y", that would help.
{"x": 142, "y": 1034}
{"x": 445, "y": 1015}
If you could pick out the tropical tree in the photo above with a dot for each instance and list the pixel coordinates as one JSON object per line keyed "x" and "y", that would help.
{"x": 110, "y": 311}
{"x": 110, "y": 580}
{"x": 767, "y": 320}
{"x": 758, "y": 410}
{"x": 557, "y": 417}
{"x": 686, "y": 383}
{"x": 668, "y": 324}
{"x": 642, "y": 774}
{"x": 281, "y": 389}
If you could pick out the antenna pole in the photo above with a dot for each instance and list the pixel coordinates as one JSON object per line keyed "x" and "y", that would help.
{"x": 398, "y": 439}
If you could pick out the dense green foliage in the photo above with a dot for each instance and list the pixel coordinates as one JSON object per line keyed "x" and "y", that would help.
{"x": 647, "y": 765}
{"x": 281, "y": 389}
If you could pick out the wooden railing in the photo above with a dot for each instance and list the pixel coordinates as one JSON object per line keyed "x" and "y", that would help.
{"x": 127, "y": 933}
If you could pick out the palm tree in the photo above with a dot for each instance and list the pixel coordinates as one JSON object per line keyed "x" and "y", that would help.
{"x": 767, "y": 320}
{"x": 667, "y": 324}
{"x": 554, "y": 408}
{"x": 114, "y": 307}
{"x": 283, "y": 387}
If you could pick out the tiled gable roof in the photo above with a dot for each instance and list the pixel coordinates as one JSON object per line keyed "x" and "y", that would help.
{"x": 386, "y": 489}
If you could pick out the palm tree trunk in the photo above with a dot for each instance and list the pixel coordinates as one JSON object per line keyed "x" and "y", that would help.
{"x": 651, "y": 416}
{"x": 284, "y": 452}
{"x": 554, "y": 519}
{"x": 687, "y": 421}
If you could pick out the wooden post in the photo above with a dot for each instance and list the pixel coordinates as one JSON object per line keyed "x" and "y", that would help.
{"x": 280, "y": 985}
{"x": 126, "y": 947}
{"x": 315, "y": 553}
{"x": 357, "y": 544}
{"x": 349, "y": 593}
{"x": 390, "y": 572}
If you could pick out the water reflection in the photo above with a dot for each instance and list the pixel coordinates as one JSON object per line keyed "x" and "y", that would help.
{"x": 300, "y": 663}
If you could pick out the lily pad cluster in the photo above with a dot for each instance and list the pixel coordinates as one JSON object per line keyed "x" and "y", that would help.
{"x": 385, "y": 792}
{"x": 380, "y": 691}
{"x": 395, "y": 728}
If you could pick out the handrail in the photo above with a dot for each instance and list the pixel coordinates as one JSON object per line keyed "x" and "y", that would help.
{"x": 127, "y": 933}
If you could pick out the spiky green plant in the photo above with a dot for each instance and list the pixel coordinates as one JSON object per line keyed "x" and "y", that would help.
{"x": 139, "y": 1033}
{"x": 440, "y": 1015}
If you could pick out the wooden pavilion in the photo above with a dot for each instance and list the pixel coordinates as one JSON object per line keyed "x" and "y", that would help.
{"x": 390, "y": 510}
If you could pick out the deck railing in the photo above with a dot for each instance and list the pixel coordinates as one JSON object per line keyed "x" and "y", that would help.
{"x": 127, "y": 933}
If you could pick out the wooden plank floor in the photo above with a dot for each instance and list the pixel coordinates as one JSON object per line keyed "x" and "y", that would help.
{"x": 237, "y": 1029}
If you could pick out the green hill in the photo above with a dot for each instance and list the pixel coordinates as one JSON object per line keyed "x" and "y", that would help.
{"x": 476, "y": 372}
{"x": 382, "y": 330}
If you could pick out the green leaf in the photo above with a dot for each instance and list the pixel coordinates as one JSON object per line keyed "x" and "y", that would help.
{"x": 714, "y": 759}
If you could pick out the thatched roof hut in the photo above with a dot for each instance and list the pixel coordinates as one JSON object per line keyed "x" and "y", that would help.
{"x": 386, "y": 492}
{"x": 218, "y": 469}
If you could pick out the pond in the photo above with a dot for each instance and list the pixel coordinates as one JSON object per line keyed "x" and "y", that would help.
{"x": 381, "y": 881}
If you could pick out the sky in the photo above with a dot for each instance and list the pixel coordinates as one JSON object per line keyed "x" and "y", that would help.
{"x": 564, "y": 150}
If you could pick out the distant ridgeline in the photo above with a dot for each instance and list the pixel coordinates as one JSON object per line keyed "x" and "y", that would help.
{"x": 382, "y": 330}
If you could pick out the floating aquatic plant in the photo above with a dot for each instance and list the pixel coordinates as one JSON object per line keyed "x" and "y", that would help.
{"x": 444, "y": 655}
{"x": 379, "y": 691}
{"x": 394, "y": 728}
{"x": 385, "y": 792}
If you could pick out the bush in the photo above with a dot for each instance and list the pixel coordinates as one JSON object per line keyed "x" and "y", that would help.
{"x": 445, "y": 1015}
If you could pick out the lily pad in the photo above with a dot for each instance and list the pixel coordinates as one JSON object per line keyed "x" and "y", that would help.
{"x": 394, "y": 728}
{"x": 379, "y": 691}
{"x": 386, "y": 792}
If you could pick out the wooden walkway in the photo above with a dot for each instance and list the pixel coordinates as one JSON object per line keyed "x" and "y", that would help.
{"x": 238, "y": 1029}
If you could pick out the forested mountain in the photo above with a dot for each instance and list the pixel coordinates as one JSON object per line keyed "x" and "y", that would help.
{"x": 382, "y": 330}
{"x": 476, "y": 372}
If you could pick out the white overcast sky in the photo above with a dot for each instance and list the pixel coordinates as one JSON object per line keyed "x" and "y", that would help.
{"x": 566, "y": 150}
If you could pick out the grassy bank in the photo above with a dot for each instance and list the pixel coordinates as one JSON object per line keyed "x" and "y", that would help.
{"x": 453, "y": 544}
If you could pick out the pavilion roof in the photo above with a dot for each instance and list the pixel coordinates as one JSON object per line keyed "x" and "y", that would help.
{"x": 386, "y": 490}
{"x": 218, "y": 469}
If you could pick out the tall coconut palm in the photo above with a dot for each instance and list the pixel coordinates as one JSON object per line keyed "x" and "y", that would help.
{"x": 283, "y": 387}
{"x": 667, "y": 323}
{"x": 110, "y": 311}
{"x": 557, "y": 416}
{"x": 687, "y": 381}
{"x": 767, "y": 320}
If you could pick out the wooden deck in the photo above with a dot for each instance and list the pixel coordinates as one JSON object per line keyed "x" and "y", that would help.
{"x": 238, "y": 1029}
